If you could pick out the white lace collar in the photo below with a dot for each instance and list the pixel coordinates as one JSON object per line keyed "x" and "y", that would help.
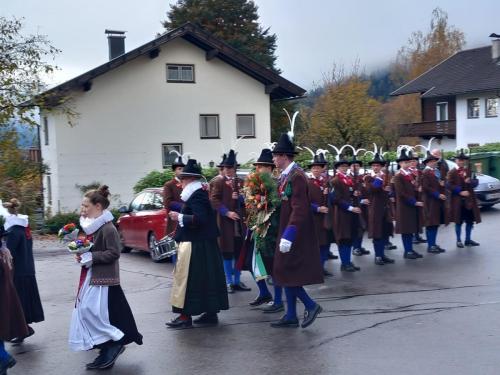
{"x": 190, "y": 189}
{"x": 92, "y": 225}
{"x": 13, "y": 220}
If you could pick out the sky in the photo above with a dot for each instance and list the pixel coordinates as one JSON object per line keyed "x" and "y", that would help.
{"x": 312, "y": 34}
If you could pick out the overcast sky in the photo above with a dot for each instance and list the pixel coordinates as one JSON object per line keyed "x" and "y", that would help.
{"x": 312, "y": 34}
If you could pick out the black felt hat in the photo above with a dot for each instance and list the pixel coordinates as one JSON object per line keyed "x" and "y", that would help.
{"x": 284, "y": 146}
{"x": 377, "y": 159}
{"x": 403, "y": 156}
{"x": 461, "y": 155}
{"x": 429, "y": 157}
{"x": 342, "y": 160}
{"x": 191, "y": 169}
{"x": 220, "y": 165}
{"x": 230, "y": 160}
{"x": 178, "y": 163}
{"x": 354, "y": 160}
{"x": 319, "y": 159}
{"x": 265, "y": 158}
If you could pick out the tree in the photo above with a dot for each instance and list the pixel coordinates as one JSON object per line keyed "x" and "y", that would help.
{"x": 23, "y": 66}
{"x": 234, "y": 21}
{"x": 344, "y": 113}
{"x": 422, "y": 53}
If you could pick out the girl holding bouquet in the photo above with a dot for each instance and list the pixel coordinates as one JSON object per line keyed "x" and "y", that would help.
{"x": 102, "y": 317}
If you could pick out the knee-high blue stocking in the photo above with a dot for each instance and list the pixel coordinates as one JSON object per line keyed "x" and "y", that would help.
{"x": 228, "y": 270}
{"x": 431, "y": 233}
{"x": 458, "y": 232}
{"x": 4, "y": 356}
{"x": 323, "y": 252}
{"x": 378, "y": 246}
{"x": 357, "y": 243}
{"x": 468, "y": 231}
{"x": 345, "y": 254}
{"x": 263, "y": 290}
{"x": 278, "y": 295}
{"x": 308, "y": 302}
{"x": 291, "y": 303}
{"x": 407, "y": 242}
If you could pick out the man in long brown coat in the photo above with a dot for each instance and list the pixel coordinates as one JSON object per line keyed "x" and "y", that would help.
{"x": 463, "y": 205}
{"x": 345, "y": 214}
{"x": 297, "y": 260}
{"x": 417, "y": 176}
{"x": 380, "y": 227}
{"x": 434, "y": 198}
{"x": 172, "y": 194}
{"x": 406, "y": 205}
{"x": 227, "y": 199}
{"x": 318, "y": 192}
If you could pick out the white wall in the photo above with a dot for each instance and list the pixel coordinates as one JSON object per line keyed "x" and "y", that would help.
{"x": 131, "y": 110}
{"x": 477, "y": 130}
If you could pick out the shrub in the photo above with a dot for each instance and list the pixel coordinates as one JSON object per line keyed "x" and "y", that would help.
{"x": 56, "y": 222}
{"x": 153, "y": 179}
{"x": 488, "y": 147}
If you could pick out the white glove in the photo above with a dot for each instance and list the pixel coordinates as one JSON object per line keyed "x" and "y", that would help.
{"x": 86, "y": 259}
{"x": 285, "y": 245}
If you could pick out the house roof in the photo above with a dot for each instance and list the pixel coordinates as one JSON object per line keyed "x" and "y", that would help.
{"x": 468, "y": 71}
{"x": 277, "y": 86}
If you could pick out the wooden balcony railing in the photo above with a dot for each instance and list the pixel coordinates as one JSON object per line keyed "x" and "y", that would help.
{"x": 429, "y": 129}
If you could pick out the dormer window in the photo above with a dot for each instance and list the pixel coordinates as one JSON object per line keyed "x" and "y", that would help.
{"x": 180, "y": 73}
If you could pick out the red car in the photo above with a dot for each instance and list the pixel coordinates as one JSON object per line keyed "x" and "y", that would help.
{"x": 143, "y": 223}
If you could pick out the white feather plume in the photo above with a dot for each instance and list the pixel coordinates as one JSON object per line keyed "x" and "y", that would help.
{"x": 175, "y": 152}
{"x": 269, "y": 145}
{"x": 375, "y": 148}
{"x": 291, "y": 132}
{"x": 320, "y": 151}
{"x": 311, "y": 151}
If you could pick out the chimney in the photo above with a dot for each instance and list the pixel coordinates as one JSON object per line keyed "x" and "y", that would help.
{"x": 116, "y": 43}
{"x": 495, "y": 47}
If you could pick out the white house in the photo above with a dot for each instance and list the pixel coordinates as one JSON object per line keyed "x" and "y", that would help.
{"x": 460, "y": 99}
{"x": 185, "y": 91}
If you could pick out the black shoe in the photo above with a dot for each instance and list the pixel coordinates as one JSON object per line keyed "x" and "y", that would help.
{"x": 179, "y": 323}
{"x": 364, "y": 251}
{"x": 460, "y": 244}
{"x": 418, "y": 254}
{"x": 11, "y": 362}
{"x": 284, "y": 323}
{"x": 241, "y": 287}
{"x": 260, "y": 300}
{"x": 230, "y": 289}
{"x": 379, "y": 261}
{"x": 410, "y": 255}
{"x": 471, "y": 243}
{"x": 388, "y": 260}
{"x": 332, "y": 256}
{"x": 441, "y": 250}
{"x": 390, "y": 246}
{"x": 419, "y": 239}
{"x": 20, "y": 340}
{"x": 310, "y": 316}
{"x": 349, "y": 268}
{"x": 434, "y": 250}
{"x": 111, "y": 354}
{"x": 327, "y": 273}
{"x": 357, "y": 252}
{"x": 99, "y": 361}
{"x": 207, "y": 319}
{"x": 272, "y": 308}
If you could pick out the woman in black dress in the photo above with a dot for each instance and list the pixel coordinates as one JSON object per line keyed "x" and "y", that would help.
{"x": 20, "y": 244}
{"x": 199, "y": 281}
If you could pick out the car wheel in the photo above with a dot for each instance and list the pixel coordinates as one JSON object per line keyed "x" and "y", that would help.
{"x": 153, "y": 248}
{"x": 125, "y": 249}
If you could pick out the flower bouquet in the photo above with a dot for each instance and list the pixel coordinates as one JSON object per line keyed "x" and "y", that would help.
{"x": 80, "y": 246}
{"x": 68, "y": 233}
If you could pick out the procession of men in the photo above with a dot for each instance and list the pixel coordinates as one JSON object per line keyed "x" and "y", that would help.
{"x": 279, "y": 223}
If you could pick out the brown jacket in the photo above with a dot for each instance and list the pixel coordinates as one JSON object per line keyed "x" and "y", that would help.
{"x": 172, "y": 201}
{"x": 406, "y": 211}
{"x": 455, "y": 184}
{"x": 302, "y": 264}
{"x": 344, "y": 221}
{"x": 12, "y": 321}
{"x": 379, "y": 211}
{"x": 434, "y": 210}
{"x": 221, "y": 193}
{"x": 318, "y": 199}
{"x": 105, "y": 255}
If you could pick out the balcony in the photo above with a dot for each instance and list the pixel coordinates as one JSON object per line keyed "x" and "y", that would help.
{"x": 429, "y": 129}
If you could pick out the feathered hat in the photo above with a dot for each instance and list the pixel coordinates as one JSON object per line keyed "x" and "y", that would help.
{"x": 285, "y": 142}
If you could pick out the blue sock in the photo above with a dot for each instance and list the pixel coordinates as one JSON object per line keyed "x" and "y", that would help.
{"x": 407, "y": 242}
{"x": 237, "y": 276}
{"x": 263, "y": 291}
{"x": 378, "y": 246}
{"x": 357, "y": 243}
{"x": 345, "y": 254}
{"x": 458, "y": 231}
{"x": 228, "y": 269}
{"x": 291, "y": 302}
{"x": 323, "y": 252}
{"x": 304, "y": 297}
{"x": 431, "y": 233}
{"x": 4, "y": 356}
{"x": 468, "y": 231}
{"x": 278, "y": 295}
{"x": 174, "y": 259}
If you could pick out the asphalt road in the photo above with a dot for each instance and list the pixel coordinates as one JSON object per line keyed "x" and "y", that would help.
{"x": 437, "y": 315}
